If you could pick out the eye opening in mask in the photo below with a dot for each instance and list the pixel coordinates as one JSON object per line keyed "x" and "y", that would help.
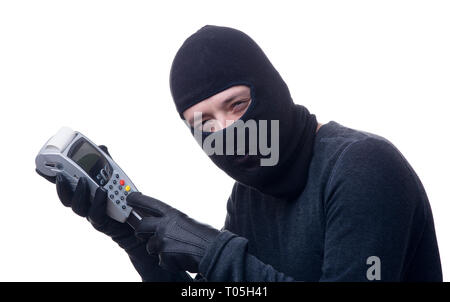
{"x": 198, "y": 125}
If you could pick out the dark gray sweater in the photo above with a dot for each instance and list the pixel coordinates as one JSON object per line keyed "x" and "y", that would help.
{"x": 362, "y": 199}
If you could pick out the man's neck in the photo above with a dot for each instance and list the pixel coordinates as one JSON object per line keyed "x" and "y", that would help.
{"x": 318, "y": 126}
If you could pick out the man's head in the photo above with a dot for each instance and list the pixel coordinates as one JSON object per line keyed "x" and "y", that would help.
{"x": 223, "y": 74}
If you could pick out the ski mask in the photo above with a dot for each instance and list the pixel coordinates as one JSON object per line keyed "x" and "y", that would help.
{"x": 216, "y": 58}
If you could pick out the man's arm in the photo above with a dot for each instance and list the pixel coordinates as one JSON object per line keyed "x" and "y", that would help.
{"x": 81, "y": 202}
{"x": 374, "y": 207}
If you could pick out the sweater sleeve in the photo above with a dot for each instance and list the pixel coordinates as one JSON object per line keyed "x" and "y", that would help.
{"x": 227, "y": 259}
{"x": 374, "y": 206}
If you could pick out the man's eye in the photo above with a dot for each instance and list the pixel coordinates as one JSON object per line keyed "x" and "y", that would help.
{"x": 239, "y": 105}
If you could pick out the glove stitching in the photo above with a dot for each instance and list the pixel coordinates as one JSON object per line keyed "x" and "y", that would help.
{"x": 189, "y": 231}
{"x": 187, "y": 242}
{"x": 181, "y": 252}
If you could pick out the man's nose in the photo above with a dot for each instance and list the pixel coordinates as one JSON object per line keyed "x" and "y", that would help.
{"x": 223, "y": 121}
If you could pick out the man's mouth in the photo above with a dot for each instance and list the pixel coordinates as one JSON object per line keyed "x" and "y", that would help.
{"x": 241, "y": 158}
{"x": 246, "y": 161}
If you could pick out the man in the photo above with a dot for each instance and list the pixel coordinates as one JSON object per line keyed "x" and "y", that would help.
{"x": 335, "y": 204}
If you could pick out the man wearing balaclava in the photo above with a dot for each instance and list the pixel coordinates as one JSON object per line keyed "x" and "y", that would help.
{"x": 339, "y": 205}
{"x": 334, "y": 203}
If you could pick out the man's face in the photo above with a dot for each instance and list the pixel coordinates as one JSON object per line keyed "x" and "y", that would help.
{"x": 220, "y": 110}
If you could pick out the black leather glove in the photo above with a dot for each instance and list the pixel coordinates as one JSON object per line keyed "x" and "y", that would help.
{"x": 178, "y": 240}
{"x": 122, "y": 233}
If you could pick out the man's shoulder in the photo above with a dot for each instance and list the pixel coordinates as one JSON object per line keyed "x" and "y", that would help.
{"x": 333, "y": 139}
{"x": 362, "y": 161}
{"x": 336, "y": 144}
{"x": 346, "y": 154}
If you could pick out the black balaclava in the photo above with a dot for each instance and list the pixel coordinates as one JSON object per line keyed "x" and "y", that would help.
{"x": 216, "y": 58}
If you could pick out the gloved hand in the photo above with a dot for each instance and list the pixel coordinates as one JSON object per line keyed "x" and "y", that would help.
{"x": 122, "y": 233}
{"x": 178, "y": 240}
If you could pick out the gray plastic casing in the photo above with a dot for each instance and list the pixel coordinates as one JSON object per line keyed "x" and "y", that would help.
{"x": 51, "y": 160}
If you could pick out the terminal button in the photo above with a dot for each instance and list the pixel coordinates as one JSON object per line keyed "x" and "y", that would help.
{"x": 122, "y": 182}
{"x": 127, "y": 188}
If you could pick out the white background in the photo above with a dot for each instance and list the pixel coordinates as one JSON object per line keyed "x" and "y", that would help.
{"x": 102, "y": 67}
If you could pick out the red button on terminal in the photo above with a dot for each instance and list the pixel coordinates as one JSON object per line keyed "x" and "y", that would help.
{"x": 122, "y": 182}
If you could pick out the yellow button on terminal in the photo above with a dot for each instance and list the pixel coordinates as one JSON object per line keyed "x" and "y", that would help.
{"x": 127, "y": 188}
